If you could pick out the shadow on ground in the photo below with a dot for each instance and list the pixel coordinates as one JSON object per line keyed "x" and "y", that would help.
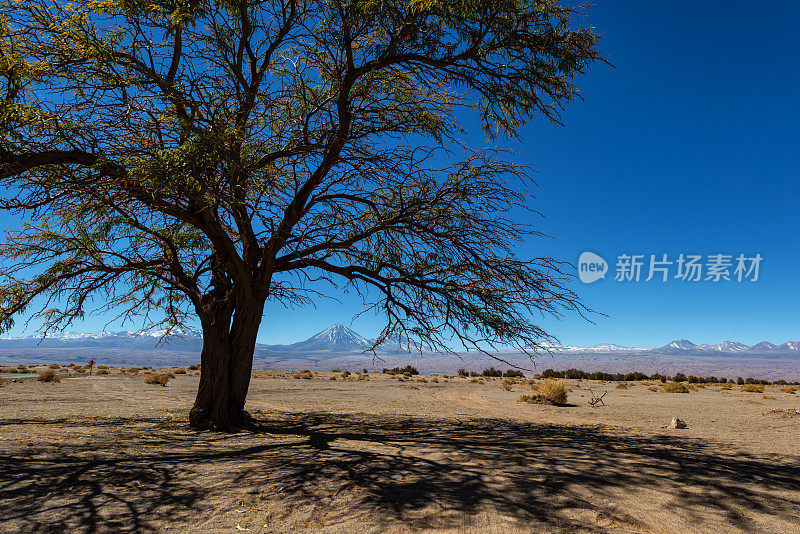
{"x": 115, "y": 475}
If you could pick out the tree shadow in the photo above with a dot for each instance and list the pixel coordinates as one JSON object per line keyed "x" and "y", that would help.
{"x": 409, "y": 473}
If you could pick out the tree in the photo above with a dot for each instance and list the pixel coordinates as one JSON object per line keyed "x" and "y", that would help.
{"x": 188, "y": 161}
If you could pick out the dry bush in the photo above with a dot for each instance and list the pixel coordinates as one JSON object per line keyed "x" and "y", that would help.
{"x": 54, "y": 366}
{"x": 550, "y": 391}
{"x": 157, "y": 378}
{"x": 435, "y": 380}
{"x": 102, "y": 367}
{"x": 506, "y": 385}
{"x": 194, "y": 367}
{"x": 753, "y": 388}
{"x": 767, "y": 397}
{"x": 553, "y": 391}
{"x": 332, "y": 378}
{"x": 3, "y": 382}
{"x": 725, "y": 387}
{"x": 674, "y": 387}
{"x": 179, "y": 371}
{"x": 345, "y": 374}
{"x": 653, "y": 388}
{"x": 48, "y": 375}
{"x": 102, "y": 372}
{"x": 305, "y": 374}
{"x": 623, "y": 385}
{"x": 475, "y": 381}
{"x": 424, "y": 381}
{"x": 791, "y": 389}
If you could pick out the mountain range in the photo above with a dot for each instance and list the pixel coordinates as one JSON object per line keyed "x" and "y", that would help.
{"x": 339, "y": 347}
{"x": 339, "y": 338}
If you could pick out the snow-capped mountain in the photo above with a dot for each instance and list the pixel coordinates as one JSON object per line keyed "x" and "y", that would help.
{"x": 729, "y": 347}
{"x": 146, "y": 335}
{"x": 332, "y": 342}
{"x": 336, "y": 338}
{"x": 764, "y": 346}
{"x": 726, "y": 346}
{"x": 678, "y": 344}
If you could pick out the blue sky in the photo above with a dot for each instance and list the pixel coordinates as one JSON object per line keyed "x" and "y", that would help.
{"x": 689, "y": 144}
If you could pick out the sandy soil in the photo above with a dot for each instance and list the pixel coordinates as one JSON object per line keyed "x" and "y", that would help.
{"x": 111, "y": 454}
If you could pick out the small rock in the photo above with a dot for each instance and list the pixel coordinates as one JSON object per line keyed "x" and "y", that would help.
{"x": 677, "y": 423}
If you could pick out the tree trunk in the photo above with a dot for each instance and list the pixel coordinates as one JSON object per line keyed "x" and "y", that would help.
{"x": 226, "y": 363}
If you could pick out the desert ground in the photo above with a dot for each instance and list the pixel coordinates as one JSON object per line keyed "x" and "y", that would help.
{"x": 110, "y": 453}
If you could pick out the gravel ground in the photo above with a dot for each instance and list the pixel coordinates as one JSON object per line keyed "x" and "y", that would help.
{"x": 112, "y": 454}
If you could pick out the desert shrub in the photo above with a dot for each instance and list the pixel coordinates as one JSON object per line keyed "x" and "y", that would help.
{"x": 102, "y": 372}
{"x": 332, "y": 378}
{"x": 305, "y": 374}
{"x": 157, "y": 378}
{"x": 511, "y": 373}
{"x": 422, "y": 380}
{"x": 102, "y": 367}
{"x": 345, "y": 374}
{"x": 674, "y": 387}
{"x": 552, "y": 391}
{"x": 179, "y": 371}
{"x": 54, "y": 366}
{"x": 653, "y": 388}
{"x": 491, "y": 371}
{"x": 48, "y": 375}
{"x": 753, "y": 388}
{"x": 3, "y": 382}
{"x": 407, "y": 370}
{"x": 767, "y": 397}
{"x": 80, "y": 370}
{"x": 790, "y": 389}
{"x": 622, "y": 385}
{"x": 194, "y": 367}
{"x": 680, "y": 377}
{"x": 435, "y": 380}
{"x": 506, "y": 385}
{"x": 475, "y": 381}
{"x": 463, "y": 373}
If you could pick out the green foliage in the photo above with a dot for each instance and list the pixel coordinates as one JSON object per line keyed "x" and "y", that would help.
{"x": 183, "y": 159}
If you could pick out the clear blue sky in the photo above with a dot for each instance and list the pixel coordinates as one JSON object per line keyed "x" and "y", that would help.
{"x": 689, "y": 144}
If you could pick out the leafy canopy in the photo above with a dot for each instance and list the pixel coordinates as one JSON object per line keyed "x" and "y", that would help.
{"x": 203, "y": 156}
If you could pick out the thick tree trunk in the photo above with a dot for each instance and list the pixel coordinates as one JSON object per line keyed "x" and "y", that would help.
{"x": 225, "y": 367}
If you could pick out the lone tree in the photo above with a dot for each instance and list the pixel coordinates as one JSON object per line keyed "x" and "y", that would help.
{"x": 193, "y": 159}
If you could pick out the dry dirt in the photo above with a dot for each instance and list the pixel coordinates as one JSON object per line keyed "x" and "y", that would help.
{"x": 111, "y": 454}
